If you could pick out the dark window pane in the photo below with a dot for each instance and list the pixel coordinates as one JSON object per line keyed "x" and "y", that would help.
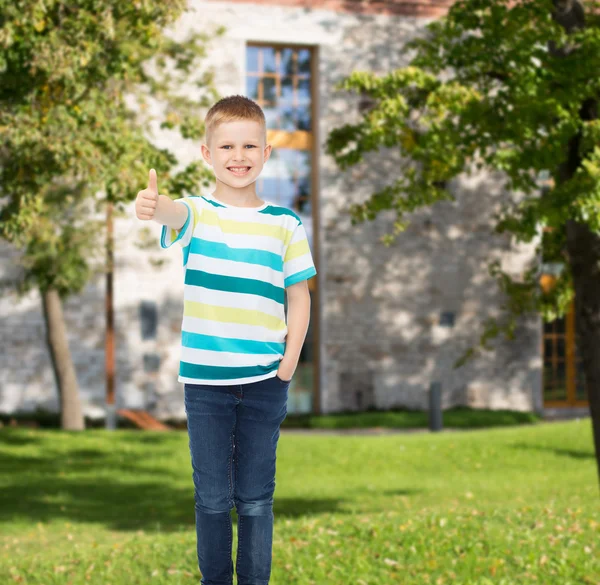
{"x": 303, "y": 90}
{"x": 287, "y": 118}
{"x": 252, "y": 59}
{"x": 304, "y": 191}
{"x": 286, "y": 64}
{"x": 304, "y": 120}
{"x": 268, "y": 55}
{"x": 560, "y": 325}
{"x": 149, "y": 319}
{"x": 151, "y": 362}
{"x": 561, "y": 373}
{"x": 252, "y": 88}
{"x": 287, "y": 89}
{"x": 548, "y": 348}
{"x": 304, "y": 163}
{"x": 304, "y": 61}
{"x": 560, "y": 347}
{"x": 287, "y": 190}
{"x": 270, "y": 117}
{"x": 269, "y": 90}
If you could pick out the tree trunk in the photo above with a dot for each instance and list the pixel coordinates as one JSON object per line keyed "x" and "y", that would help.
{"x": 584, "y": 257}
{"x": 71, "y": 414}
{"x": 583, "y": 246}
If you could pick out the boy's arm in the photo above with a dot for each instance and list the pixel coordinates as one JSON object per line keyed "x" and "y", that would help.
{"x": 150, "y": 205}
{"x": 168, "y": 213}
{"x": 298, "y": 318}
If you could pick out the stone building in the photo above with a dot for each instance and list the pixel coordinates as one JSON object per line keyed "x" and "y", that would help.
{"x": 386, "y": 322}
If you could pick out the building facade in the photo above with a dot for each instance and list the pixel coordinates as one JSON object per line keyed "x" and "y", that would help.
{"x": 387, "y": 322}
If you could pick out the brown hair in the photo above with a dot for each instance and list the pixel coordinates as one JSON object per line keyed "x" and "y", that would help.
{"x": 231, "y": 109}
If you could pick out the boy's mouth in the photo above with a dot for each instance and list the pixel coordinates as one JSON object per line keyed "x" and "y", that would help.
{"x": 239, "y": 171}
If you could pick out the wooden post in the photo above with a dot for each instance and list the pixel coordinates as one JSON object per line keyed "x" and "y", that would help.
{"x": 109, "y": 344}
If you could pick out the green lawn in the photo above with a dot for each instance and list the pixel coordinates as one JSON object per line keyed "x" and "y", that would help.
{"x": 489, "y": 507}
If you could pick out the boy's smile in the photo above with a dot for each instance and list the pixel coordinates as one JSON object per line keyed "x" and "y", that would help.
{"x": 237, "y": 152}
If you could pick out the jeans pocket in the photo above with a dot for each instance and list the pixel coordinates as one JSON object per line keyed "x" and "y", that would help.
{"x": 286, "y": 382}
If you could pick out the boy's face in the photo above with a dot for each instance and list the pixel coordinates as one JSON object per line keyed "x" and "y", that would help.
{"x": 237, "y": 144}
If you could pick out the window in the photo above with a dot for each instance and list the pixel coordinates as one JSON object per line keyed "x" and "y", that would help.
{"x": 280, "y": 79}
{"x": 563, "y": 375}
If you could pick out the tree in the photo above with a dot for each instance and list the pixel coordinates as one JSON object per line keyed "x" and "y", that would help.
{"x": 76, "y": 82}
{"x": 509, "y": 86}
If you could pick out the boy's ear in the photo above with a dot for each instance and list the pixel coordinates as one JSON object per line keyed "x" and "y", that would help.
{"x": 206, "y": 154}
{"x": 268, "y": 150}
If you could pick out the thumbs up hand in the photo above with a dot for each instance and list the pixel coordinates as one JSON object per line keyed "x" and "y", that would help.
{"x": 147, "y": 199}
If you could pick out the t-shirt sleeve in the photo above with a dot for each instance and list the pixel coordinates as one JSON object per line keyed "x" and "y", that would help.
{"x": 182, "y": 236}
{"x": 298, "y": 262}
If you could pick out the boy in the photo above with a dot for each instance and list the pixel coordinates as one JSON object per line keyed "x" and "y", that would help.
{"x": 238, "y": 354}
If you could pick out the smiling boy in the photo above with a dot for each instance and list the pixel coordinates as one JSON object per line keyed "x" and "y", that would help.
{"x": 242, "y": 255}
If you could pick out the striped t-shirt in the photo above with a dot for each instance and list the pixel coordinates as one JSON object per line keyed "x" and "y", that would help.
{"x": 237, "y": 262}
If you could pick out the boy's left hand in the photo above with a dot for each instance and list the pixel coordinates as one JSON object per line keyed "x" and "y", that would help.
{"x": 286, "y": 370}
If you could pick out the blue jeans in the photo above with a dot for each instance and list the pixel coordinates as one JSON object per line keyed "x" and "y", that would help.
{"x": 233, "y": 433}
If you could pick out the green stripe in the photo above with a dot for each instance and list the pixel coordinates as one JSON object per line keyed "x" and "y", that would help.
{"x": 234, "y": 284}
{"x": 188, "y": 370}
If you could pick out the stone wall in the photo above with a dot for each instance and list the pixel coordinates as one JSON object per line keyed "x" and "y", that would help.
{"x": 382, "y": 310}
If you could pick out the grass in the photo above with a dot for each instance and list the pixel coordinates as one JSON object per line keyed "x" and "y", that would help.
{"x": 501, "y": 506}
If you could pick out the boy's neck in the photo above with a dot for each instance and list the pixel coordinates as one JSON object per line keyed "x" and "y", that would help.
{"x": 245, "y": 197}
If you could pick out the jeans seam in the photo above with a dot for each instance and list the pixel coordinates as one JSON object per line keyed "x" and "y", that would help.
{"x": 238, "y": 555}
{"x": 237, "y": 560}
{"x": 231, "y": 490}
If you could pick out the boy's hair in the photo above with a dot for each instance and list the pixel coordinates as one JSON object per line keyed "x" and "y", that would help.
{"x": 233, "y": 108}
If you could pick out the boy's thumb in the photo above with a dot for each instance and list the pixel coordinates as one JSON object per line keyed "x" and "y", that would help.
{"x": 152, "y": 181}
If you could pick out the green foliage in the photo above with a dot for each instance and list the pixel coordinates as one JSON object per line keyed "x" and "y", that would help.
{"x": 78, "y": 81}
{"x": 486, "y": 89}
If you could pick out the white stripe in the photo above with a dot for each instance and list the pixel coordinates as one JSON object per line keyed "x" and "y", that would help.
{"x": 234, "y": 300}
{"x": 299, "y": 234}
{"x": 187, "y": 236}
{"x": 226, "y": 382}
{"x": 232, "y": 330}
{"x": 232, "y": 268}
{"x": 297, "y": 265}
{"x": 245, "y": 217}
{"x": 225, "y": 358}
{"x": 213, "y": 233}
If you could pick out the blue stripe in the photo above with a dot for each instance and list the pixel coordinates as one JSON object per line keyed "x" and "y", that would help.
{"x": 271, "y": 210}
{"x": 188, "y": 370}
{"x": 214, "y": 203}
{"x": 213, "y": 343}
{"x": 248, "y": 255}
{"x": 303, "y": 275}
{"x": 163, "y": 234}
{"x": 248, "y": 286}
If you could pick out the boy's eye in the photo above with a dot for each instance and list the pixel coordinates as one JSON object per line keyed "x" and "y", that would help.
{"x": 250, "y": 145}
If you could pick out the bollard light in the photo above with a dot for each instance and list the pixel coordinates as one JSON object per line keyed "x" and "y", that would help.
{"x": 435, "y": 406}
